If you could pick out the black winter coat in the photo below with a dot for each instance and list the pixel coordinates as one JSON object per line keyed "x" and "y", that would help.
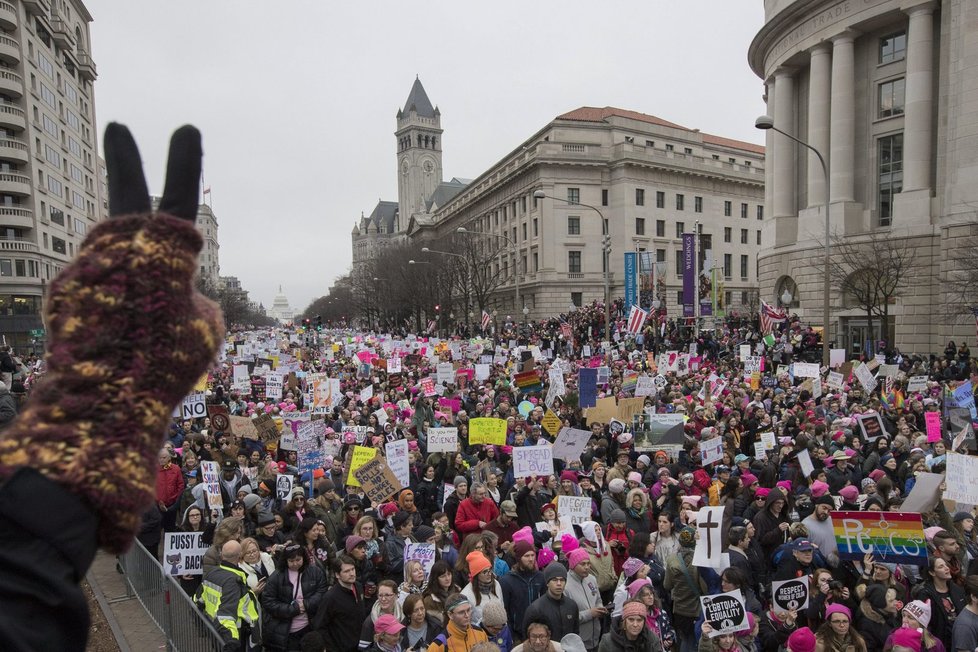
{"x": 340, "y": 618}
{"x": 279, "y": 606}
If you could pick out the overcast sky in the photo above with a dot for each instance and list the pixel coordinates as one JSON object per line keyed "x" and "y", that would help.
{"x": 296, "y": 99}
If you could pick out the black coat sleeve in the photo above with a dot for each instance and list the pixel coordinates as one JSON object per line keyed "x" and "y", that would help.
{"x": 47, "y": 543}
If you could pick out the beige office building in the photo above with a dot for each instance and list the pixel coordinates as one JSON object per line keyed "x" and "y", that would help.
{"x": 645, "y": 181}
{"x": 887, "y": 90}
{"x": 51, "y": 177}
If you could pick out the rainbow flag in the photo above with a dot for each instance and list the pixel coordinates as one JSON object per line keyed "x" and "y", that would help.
{"x": 528, "y": 381}
{"x": 629, "y": 382}
{"x": 892, "y": 537}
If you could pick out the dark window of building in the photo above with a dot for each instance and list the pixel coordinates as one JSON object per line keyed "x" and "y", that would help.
{"x": 639, "y": 197}
{"x": 743, "y": 236}
{"x": 891, "y": 97}
{"x": 727, "y": 208}
{"x": 680, "y": 202}
{"x": 890, "y": 175}
{"x": 679, "y": 263}
{"x": 893, "y": 47}
{"x": 577, "y": 299}
{"x": 680, "y": 229}
{"x": 760, "y": 211}
{"x": 573, "y": 225}
{"x": 604, "y": 197}
{"x": 660, "y": 199}
{"x": 744, "y": 263}
{"x": 698, "y": 204}
{"x": 574, "y": 262}
{"x": 660, "y": 228}
{"x": 743, "y": 211}
{"x": 573, "y": 195}
{"x": 727, "y": 266}
{"x": 639, "y": 226}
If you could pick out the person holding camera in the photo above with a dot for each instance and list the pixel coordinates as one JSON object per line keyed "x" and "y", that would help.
{"x": 826, "y": 591}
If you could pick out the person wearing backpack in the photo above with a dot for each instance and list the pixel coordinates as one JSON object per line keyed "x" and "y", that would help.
{"x": 683, "y": 582}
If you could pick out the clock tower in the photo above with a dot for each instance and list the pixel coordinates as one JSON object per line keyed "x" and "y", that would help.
{"x": 419, "y": 147}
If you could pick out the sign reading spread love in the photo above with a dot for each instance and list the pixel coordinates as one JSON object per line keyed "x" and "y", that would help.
{"x": 892, "y": 537}
{"x": 486, "y": 430}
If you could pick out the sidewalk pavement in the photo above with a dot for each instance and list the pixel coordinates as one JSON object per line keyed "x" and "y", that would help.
{"x": 132, "y": 626}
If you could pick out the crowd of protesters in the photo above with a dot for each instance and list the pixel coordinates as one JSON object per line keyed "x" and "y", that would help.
{"x": 323, "y": 569}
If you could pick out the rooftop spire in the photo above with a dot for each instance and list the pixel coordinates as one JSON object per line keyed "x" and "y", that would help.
{"x": 418, "y": 101}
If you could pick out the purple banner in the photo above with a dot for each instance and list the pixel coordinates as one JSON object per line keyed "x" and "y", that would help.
{"x": 689, "y": 275}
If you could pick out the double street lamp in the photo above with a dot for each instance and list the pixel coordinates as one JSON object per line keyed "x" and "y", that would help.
{"x": 767, "y": 122}
{"x": 605, "y": 252}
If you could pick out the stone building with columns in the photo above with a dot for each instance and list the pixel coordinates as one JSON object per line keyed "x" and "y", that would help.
{"x": 887, "y": 91}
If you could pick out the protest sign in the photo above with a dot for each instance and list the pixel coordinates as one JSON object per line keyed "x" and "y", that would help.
{"x": 865, "y": 377}
{"x": 604, "y": 410}
{"x": 892, "y": 537}
{"x": 394, "y": 365}
{"x": 711, "y": 450}
{"x": 925, "y": 493}
{"x": 726, "y": 612}
{"x": 663, "y": 432}
{"x": 183, "y": 553}
{"x": 962, "y": 478}
{"x": 644, "y": 386}
{"x": 283, "y": 486}
{"x": 422, "y": 552}
{"x": 837, "y": 357}
{"x": 917, "y": 384}
{"x": 361, "y": 455}
{"x": 531, "y": 461}
{"x": 753, "y": 364}
{"x": 397, "y": 460}
{"x": 194, "y": 407}
{"x": 209, "y": 473}
{"x": 834, "y": 380}
{"x": 219, "y": 417}
{"x": 870, "y": 425}
{"x": 744, "y": 351}
{"x": 576, "y": 508}
{"x": 769, "y": 440}
{"x": 243, "y": 427}
{"x": 273, "y": 387}
{"x": 265, "y": 426}
{"x": 760, "y": 452}
{"x": 442, "y": 440}
{"x": 569, "y": 443}
{"x": 933, "y": 423}
{"x": 367, "y": 393}
{"x": 805, "y": 369}
{"x": 287, "y": 441}
{"x": 790, "y": 595}
{"x": 445, "y": 373}
{"x": 709, "y": 542}
{"x": 487, "y": 430}
{"x": 805, "y": 461}
{"x": 551, "y": 423}
{"x": 377, "y": 480}
{"x": 587, "y": 387}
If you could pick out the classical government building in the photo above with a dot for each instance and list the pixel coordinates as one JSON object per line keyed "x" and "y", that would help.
{"x": 887, "y": 91}
{"x": 639, "y": 179}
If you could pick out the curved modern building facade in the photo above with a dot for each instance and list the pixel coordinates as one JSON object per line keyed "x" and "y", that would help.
{"x": 887, "y": 91}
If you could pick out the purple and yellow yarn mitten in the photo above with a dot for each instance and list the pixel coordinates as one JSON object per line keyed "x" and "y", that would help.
{"x": 128, "y": 338}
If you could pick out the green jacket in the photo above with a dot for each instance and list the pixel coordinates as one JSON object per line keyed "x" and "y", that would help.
{"x": 686, "y": 592}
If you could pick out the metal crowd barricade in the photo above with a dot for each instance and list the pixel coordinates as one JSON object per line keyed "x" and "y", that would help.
{"x": 184, "y": 626}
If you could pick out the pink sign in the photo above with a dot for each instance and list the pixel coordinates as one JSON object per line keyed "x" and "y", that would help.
{"x": 933, "y": 421}
{"x": 452, "y": 404}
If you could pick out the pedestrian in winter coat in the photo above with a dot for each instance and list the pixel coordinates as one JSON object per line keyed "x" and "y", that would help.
{"x": 630, "y": 633}
{"x": 557, "y": 610}
{"x": 342, "y": 611}
{"x": 684, "y": 583}
{"x": 582, "y": 588}
{"x": 291, "y": 599}
{"x": 522, "y": 585}
{"x": 771, "y": 523}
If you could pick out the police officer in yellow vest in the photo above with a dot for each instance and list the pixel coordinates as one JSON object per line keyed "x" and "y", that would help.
{"x": 227, "y": 600}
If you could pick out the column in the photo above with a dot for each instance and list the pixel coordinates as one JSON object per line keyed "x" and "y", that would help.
{"x": 769, "y": 151}
{"x": 818, "y": 120}
{"x": 784, "y": 148}
{"x": 919, "y": 101}
{"x": 843, "y": 120}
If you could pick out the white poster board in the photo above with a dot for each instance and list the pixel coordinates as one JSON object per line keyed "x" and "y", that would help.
{"x": 183, "y": 553}
{"x": 709, "y": 544}
{"x": 397, "y": 461}
{"x": 711, "y": 450}
{"x": 962, "y": 478}
{"x": 726, "y": 612}
{"x": 442, "y": 440}
{"x": 570, "y": 442}
{"x": 576, "y": 508}
{"x": 530, "y": 461}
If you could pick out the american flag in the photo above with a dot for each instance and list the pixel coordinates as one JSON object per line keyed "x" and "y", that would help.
{"x": 486, "y": 318}
{"x": 770, "y": 316}
{"x": 636, "y": 318}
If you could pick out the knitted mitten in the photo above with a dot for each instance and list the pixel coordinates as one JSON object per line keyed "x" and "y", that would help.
{"x": 128, "y": 336}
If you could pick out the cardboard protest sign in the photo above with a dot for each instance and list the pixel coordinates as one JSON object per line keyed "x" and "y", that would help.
{"x": 377, "y": 480}
{"x": 570, "y": 442}
{"x": 194, "y": 406}
{"x": 422, "y": 552}
{"x": 183, "y": 553}
{"x": 709, "y": 542}
{"x": 442, "y": 440}
{"x": 265, "y": 426}
{"x": 925, "y": 493}
{"x": 917, "y": 384}
{"x": 551, "y": 423}
{"x": 575, "y": 508}
{"x": 243, "y": 427}
{"x": 629, "y": 407}
{"x": 726, "y": 612}
{"x": 865, "y": 377}
{"x": 769, "y": 440}
{"x": 962, "y": 478}
{"x": 531, "y": 461}
{"x": 361, "y": 455}
{"x": 834, "y": 380}
{"x": 805, "y": 370}
{"x": 790, "y": 595}
{"x": 283, "y": 485}
{"x": 487, "y": 430}
{"x": 604, "y": 410}
{"x": 892, "y": 537}
{"x": 870, "y": 425}
{"x": 397, "y": 460}
{"x": 805, "y": 461}
{"x": 209, "y": 474}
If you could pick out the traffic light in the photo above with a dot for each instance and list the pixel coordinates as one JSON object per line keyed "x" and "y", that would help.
{"x": 319, "y": 322}
{"x": 438, "y": 308}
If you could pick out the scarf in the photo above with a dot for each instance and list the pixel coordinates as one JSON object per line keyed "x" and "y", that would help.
{"x": 400, "y": 501}
{"x": 593, "y": 538}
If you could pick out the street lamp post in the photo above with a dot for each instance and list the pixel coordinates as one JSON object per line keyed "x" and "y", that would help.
{"x": 516, "y": 256}
{"x": 605, "y": 252}
{"x": 767, "y": 122}
{"x": 465, "y": 262}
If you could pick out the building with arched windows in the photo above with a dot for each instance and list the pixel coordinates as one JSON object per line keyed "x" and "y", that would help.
{"x": 887, "y": 91}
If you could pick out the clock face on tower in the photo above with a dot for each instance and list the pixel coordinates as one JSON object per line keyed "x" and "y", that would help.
{"x": 404, "y": 166}
{"x": 428, "y": 166}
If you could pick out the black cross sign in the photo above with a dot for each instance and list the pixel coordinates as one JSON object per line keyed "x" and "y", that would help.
{"x": 708, "y": 525}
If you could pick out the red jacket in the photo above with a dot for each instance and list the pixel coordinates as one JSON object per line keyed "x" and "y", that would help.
{"x": 169, "y": 485}
{"x": 624, "y": 537}
{"x": 469, "y": 514}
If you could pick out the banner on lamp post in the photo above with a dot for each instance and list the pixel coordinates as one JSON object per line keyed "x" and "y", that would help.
{"x": 689, "y": 275}
{"x": 630, "y": 298}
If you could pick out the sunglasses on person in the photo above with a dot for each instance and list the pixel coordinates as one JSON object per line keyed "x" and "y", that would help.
{"x": 353, "y": 508}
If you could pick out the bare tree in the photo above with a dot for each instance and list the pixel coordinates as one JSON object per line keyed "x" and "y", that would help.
{"x": 960, "y": 283}
{"x": 872, "y": 271}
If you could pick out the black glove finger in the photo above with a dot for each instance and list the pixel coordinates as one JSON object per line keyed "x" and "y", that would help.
{"x": 181, "y": 193}
{"x": 124, "y": 168}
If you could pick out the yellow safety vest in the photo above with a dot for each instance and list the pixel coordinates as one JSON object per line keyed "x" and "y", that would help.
{"x": 228, "y": 580}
